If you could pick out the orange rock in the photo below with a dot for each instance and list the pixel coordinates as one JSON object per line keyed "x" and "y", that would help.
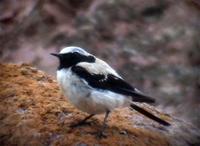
{"x": 33, "y": 112}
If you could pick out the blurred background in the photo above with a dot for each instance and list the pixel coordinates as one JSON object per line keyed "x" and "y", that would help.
{"x": 153, "y": 44}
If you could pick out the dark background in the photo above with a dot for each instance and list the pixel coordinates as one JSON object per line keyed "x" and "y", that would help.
{"x": 153, "y": 44}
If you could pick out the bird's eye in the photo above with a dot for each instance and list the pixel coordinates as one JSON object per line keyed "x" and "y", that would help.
{"x": 76, "y": 53}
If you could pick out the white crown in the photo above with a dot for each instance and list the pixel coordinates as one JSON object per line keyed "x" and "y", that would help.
{"x": 73, "y": 49}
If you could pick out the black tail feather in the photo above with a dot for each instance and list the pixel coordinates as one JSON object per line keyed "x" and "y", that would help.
{"x": 139, "y": 97}
{"x": 149, "y": 115}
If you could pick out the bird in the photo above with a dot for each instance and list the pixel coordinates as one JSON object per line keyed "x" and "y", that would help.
{"x": 94, "y": 87}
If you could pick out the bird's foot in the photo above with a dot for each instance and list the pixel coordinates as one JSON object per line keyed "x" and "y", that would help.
{"x": 81, "y": 123}
{"x": 101, "y": 134}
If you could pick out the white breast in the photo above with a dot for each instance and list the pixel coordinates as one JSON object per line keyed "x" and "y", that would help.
{"x": 86, "y": 98}
{"x": 72, "y": 87}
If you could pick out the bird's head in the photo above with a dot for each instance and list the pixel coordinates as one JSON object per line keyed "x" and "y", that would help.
{"x": 70, "y": 56}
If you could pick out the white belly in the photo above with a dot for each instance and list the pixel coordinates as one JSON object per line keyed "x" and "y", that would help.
{"x": 85, "y": 98}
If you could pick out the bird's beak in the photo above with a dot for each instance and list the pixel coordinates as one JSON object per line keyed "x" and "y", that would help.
{"x": 54, "y": 54}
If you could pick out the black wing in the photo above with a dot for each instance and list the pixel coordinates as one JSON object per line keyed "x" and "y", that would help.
{"x": 112, "y": 83}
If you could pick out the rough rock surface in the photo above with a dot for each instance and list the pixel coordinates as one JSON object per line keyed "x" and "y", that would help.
{"x": 154, "y": 44}
{"x": 33, "y": 112}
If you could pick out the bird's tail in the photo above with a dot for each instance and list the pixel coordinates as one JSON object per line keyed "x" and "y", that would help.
{"x": 140, "y": 97}
{"x": 149, "y": 115}
{"x": 137, "y": 96}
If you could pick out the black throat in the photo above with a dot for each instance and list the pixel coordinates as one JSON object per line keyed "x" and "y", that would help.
{"x": 70, "y": 59}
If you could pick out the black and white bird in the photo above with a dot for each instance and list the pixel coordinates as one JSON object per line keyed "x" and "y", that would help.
{"x": 92, "y": 86}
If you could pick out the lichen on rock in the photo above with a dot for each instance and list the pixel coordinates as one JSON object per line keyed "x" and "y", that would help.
{"x": 34, "y": 112}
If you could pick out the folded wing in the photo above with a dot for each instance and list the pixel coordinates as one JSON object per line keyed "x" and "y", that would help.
{"x": 112, "y": 83}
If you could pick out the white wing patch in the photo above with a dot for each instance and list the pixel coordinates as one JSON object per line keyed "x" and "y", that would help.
{"x": 98, "y": 67}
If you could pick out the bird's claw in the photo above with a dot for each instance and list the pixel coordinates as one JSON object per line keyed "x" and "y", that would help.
{"x": 74, "y": 125}
{"x": 100, "y": 135}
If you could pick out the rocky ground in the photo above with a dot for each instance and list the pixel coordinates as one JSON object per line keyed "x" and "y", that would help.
{"x": 153, "y": 44}
{"x": 33, "y": 112}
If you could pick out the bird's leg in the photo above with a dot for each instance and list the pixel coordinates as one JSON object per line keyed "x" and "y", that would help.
{"x": 101, "y": 133}
{"x": 82, "y": 122}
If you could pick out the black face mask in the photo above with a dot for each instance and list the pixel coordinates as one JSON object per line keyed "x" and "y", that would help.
{"x": 70, "y": 59}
